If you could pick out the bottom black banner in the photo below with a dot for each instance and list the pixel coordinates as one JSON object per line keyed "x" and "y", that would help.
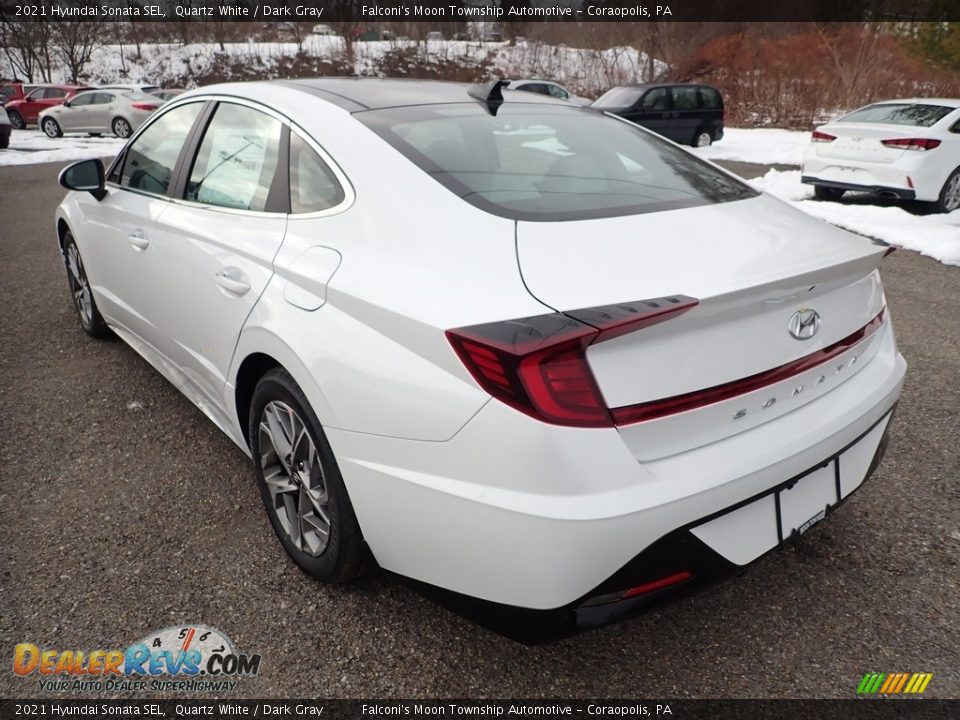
{"x": 854, "y": 709}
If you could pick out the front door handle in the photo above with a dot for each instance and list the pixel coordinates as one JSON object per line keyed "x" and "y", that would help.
{"x": 233, "y": 281}
{"x": 138, "y": 239}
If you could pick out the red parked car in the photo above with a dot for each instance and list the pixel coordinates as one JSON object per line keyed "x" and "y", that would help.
{"x": 14, "y": 91}
{"x": 24, "y": 112}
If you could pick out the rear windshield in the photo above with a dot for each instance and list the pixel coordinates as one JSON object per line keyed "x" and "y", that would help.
{"x": 545, "y": 162}
{"x": 619, "y": 97}
{"x": 899, "y": 114}
{"x": 137, "y": 96}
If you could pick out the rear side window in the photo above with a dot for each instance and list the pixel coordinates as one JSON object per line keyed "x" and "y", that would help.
{"x": 54, "y": 94}
{"x": 913, "y": 114}
{"x": 150, "y": 160}
{"x": 544, "y": 163}
{"x": 313, "y": 186}
{"x": 711, "y": 98}
{"x": 685, "y": 97}
{"x": 238, "y": 159}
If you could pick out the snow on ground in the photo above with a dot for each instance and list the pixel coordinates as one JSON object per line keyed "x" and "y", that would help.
{"x": 31, "y": 146}
{"x": 936, "y": 235}
{"x": 766, "y": 146}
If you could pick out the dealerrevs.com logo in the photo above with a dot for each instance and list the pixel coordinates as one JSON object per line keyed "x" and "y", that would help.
{"x": 188, "y": 658}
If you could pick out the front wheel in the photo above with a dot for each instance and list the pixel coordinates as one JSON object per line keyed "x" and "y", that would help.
{"x": 121, "y": 128}
{"x": 90, "y": 318}
{"x": 300, "y": 483}
{"x": 702, "y": 139}
{"x": 16, "y": 120}
{"x": 949, "y": 199}
{"x": 821, "y": 192}
{"x": 52, "y": 128}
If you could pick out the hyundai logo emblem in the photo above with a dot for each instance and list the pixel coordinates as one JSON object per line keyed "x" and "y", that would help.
{"x": 804, "y": 324}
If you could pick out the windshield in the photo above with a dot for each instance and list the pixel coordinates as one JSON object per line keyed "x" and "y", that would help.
{"x": 545, "y": 162}
{"x": 913, "y": 114}
{"x": 619, "y": 97}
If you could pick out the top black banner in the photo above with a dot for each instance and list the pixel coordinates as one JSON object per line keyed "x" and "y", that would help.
{"x": 497, "y": 11}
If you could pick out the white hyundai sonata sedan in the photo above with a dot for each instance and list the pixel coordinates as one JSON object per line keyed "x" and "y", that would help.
{"x": 521, "y": 351}
{"x": 908, "y": 149}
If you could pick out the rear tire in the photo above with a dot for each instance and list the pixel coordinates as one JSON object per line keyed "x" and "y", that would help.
{"x": 949, "y": 199}
{"x": 820, "y": 192}
{"x": 51, "y": 128}
{"x": 702, "y": 138}
{"x": 300, "y": 484}
{"x": 16, "y": 120}
{"x": 121, "y": 128}
{"x": 89, "y": 316}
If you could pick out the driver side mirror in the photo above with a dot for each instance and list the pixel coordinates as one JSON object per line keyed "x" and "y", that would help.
{"x": 86, "y": 175}
{"x": 66, "y": 103}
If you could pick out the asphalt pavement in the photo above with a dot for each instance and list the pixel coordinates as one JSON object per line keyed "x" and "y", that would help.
{"x": 123, "y": 510}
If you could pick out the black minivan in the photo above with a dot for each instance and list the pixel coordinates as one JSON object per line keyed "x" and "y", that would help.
{"x": 686, "y": 113}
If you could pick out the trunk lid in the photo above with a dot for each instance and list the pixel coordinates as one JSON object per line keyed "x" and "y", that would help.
{"x": 752, "y": 265}
{"x": 863, "y": 141}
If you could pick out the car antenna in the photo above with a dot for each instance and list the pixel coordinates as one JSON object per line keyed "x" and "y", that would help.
{"x": 489, "y": 94}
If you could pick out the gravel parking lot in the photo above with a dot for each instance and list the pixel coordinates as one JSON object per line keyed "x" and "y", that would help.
{"x": 124, "y": 510}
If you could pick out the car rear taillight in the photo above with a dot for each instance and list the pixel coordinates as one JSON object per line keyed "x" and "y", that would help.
{"x": 538, "y": 365}
{"x": 822, "y": 137}
{"x": 912, "y": 143}
{"x": 144, "y": 106}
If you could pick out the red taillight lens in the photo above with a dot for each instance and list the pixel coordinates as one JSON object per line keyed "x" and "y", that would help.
{"x": 822, "y": 137}
{"x": 912, "y": 143}
{"x": 538, "y": 365}
{"x": 144, "y": 106}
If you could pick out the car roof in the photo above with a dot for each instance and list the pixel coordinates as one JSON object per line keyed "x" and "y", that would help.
{"x": 946, "y": 102}
{"x": 355, "y": 94}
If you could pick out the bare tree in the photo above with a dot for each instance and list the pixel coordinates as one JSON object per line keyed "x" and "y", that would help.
{"x": 27, "y": 47}
{"x": 74, "y": 43}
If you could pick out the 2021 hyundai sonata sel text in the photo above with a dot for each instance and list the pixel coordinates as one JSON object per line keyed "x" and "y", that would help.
{"x": 525, "y": 352}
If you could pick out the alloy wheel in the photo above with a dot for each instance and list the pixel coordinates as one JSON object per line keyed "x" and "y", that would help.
{"x": 50, "y": 127}
{"x": 121, "y": 128}
{"x": 79, "y": 286}
{"x": 294, "y": 477}
{"x": 704, "y": 139}
{"x": 951, "y": 193}
{"x": 16, "y": 120}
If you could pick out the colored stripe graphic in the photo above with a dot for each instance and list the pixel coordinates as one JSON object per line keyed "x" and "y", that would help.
{"x": 894, "y": 683}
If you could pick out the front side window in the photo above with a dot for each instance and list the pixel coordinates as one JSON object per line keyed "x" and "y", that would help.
{"x": 656, "y": 99}
{"x": 150, "y": 160}
{"x": 545, "y": 162}
{"x": 237, "y": 161}
{"x": 619, "y": 97}
{"x": 82, "y": 99}
{"x": 914, "y": 114}
{"x": 313, "y": 186}
{"x": 558, "y": 92}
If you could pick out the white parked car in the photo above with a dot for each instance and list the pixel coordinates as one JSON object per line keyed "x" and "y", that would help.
{"x": 520, "y": 350}
{"x": 547, "y": 87}
{"x": 908, "y": 149}
{"x": 99, "y": 111}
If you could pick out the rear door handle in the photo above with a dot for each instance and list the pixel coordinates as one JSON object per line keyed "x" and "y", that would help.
{"x": 138, "y": 239}
{"x": 233, "y": 281}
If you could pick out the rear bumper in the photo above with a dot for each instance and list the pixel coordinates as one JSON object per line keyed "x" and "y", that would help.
{"x": 902, "y": 193}
{"x": 682, "y": 551}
